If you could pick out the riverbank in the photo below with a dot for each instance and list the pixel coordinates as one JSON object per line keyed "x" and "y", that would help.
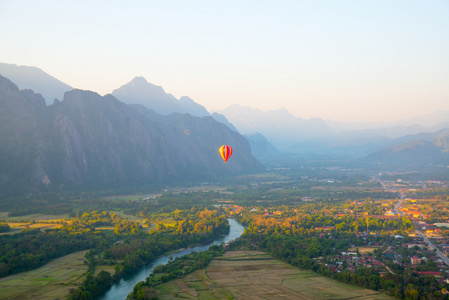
{"x": 125, "y": 286}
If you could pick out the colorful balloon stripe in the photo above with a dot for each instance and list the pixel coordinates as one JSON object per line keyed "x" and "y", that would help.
{"x": 225, "y": 152}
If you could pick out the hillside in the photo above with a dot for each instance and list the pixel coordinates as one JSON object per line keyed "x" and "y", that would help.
{"x": 92, "y": 142}
{"x": 417, "y": 150}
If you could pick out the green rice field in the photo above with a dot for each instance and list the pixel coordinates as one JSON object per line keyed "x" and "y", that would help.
{"x": 51, "y": 281}
{"x": 255, "y": 275}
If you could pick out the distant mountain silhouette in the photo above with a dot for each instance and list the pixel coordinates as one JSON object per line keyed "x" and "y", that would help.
{"x": 260, "y": 146}
{"x": 283, "y": 130}
{"x": 90, "y": 142}
{"x": 139, "y": 91}
{"x": 279, "y": 126}
{"x": 222, "y": 119}
{"x": 429, "y": 120}
{"x": 417, "y": 150}
{"x": 35, "y": 79}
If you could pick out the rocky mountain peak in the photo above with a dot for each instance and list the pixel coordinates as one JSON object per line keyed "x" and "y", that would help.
{"x": 88, "y": 142}
{"x": 139, "y": 91}
{"x": 138, "y": 81}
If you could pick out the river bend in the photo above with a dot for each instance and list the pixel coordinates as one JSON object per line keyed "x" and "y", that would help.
{"x": 120, "y": 290}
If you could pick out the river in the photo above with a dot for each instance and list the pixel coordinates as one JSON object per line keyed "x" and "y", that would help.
{"x": 120, "y": 290}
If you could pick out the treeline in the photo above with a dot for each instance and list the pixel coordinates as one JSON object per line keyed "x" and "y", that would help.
{"x": 89, "y": 220}
{"x": 177, "y": 268}
{"x": 433, "y": 193}
{"x": 4, "y": 227}
{"x": 92, "y": 286}
{"x": 169, "y": 202}
{"x": 46, "y": 209}
{"x": 284, "y": 194}
{"x": 300, "y": 223}
{"x": 44, "y": 203}
{"x": 166, "y": 203}
{"x": 195, "y": 221}
{"x": 281, "y": 193}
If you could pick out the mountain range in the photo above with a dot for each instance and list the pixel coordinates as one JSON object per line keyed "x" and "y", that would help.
{"x": 139, "y": 91}
{"x": 279, "y": 126}
{"x": 87, "y": 141}
{"x": 416, "y": 150}
{"x": 265, "y": 131}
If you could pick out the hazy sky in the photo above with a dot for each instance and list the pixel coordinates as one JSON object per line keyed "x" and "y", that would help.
{"x": 360, "y": 60}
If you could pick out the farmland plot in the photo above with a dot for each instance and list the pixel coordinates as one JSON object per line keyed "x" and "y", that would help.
{"x": 255, "y": 275}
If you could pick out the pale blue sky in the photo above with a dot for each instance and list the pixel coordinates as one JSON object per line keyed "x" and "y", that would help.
{"x": 360, "y": 60}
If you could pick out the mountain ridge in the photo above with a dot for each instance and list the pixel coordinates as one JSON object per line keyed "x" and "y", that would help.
{"x": 33, "y": 78}
{"x": 421, "y": 149}
{"x": 140, "y": 91}
{"x": 280, "y": 127}
{"x": 93, "y": 142}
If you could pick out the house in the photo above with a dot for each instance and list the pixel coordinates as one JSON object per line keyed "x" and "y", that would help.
{"x": 415, "y": 260}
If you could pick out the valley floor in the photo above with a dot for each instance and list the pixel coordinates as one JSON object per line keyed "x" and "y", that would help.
{"x": 256, "y": 275}
{"x": 51, "y": 281}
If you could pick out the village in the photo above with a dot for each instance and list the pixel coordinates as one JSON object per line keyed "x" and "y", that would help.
{"x": 421, "y": 250}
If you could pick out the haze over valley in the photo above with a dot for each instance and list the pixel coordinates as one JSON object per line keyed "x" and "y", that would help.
{"x": 224, "y": 150}
{"x": 140, "y": 134}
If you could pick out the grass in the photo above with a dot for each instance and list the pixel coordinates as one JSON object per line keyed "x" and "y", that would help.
{"x": 256, "y": 275}
{"x": 128, "y": 217}
{"x": 364, "y": 249}
{"x": 51, "y": 281}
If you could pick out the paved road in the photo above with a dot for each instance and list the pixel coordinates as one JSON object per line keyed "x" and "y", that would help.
{"x": 443, "y": 257}
{"x": 398, "y": 205}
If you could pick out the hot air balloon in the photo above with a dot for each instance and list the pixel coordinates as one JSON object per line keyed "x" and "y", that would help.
{"x": 225, "y": 152}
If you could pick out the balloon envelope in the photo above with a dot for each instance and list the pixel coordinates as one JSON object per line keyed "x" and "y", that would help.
{"x": 225, "y": 152}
